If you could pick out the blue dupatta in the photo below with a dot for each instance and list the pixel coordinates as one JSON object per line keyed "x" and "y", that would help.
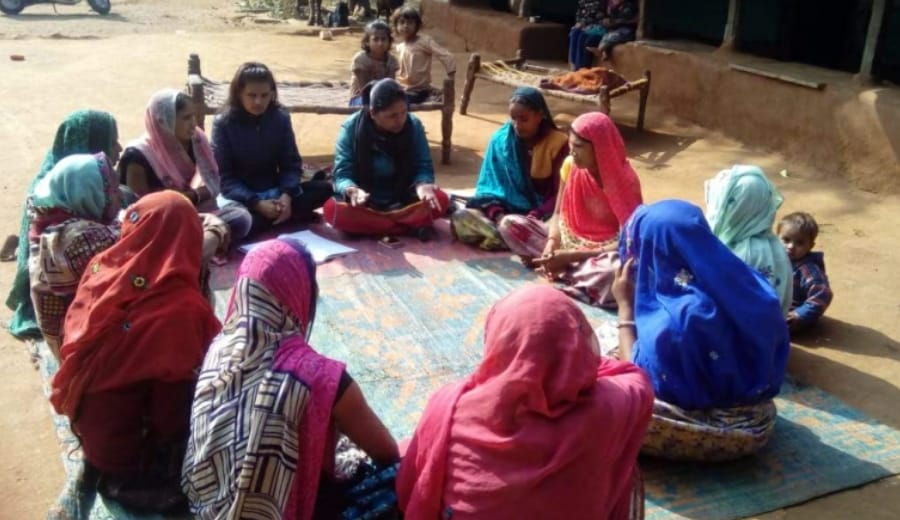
{"x": 711, "y": 333}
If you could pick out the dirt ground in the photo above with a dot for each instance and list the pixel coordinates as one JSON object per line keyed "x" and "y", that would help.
{"x": 76, "y": 59}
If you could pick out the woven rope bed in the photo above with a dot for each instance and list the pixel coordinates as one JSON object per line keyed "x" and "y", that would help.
{"x": 317, "y": 97}
{"x": 518, "y": 73}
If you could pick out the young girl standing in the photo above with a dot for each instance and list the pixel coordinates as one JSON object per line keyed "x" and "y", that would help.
{"x": 416, "y": 51}
{"x": 374, "y": 61}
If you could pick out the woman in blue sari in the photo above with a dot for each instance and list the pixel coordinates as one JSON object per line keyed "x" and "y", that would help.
{"x": 519, "y": 177}
{"x": 707, "y": 329}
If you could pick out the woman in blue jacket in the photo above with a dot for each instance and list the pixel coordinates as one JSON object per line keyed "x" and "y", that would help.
{"x": 383, "y": 173}
{"x": 259, "y": 163}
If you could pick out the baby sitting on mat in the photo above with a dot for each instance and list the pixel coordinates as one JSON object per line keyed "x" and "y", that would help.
{"x": 812, "y": 293}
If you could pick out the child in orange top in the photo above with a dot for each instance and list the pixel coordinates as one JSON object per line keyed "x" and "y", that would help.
{"x": 415, "y": 51}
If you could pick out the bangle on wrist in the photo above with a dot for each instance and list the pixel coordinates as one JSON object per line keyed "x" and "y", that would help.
{"x": 625, "y": 323}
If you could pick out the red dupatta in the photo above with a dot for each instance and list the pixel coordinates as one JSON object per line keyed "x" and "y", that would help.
{"x": 591, "y": 211}
{"x": 138, "y": 313}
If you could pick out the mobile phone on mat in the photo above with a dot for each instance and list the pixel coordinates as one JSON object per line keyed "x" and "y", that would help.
{"x": 391, "y": 242}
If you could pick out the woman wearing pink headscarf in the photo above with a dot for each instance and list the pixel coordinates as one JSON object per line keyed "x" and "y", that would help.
{"x": 175, "y": 154}
{"x": 544, "y": 428}
{"x": 598, "y": 192}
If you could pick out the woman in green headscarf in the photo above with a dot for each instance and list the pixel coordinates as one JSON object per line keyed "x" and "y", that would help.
{"x": 73, "y": 210}
{"x": 83, "y": 131}
{"x": 740, "y": 207}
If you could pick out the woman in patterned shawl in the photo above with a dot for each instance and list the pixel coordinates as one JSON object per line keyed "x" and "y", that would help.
{"x": 84, "y": 131}
{"x": 267, "y": 407}
{"x": 73, "y": 210}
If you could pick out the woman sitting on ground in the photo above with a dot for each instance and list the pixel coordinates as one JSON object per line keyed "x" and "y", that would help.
{"x": 74, "y": 209}
{"x": 706, "y": 328}
{"x": 257, "y": 154}
{"x": 544, "y": 428}
{"x": 383, "y": 173}
{"x": 135, "y": 336}
{"x": 250, "y": 452}
{"x": 519, "y": 176}
{"x": 740, "y": 206}
{"x": 174, "y": 154}
{"x": 82, "y": 132}
{"x": 598, "y": 192}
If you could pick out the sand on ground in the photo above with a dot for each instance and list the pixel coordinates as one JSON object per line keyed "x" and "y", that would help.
{"x": 78, "y": 60}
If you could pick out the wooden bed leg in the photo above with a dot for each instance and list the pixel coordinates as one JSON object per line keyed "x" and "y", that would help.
{"x": 642, "y": 108}
{"x": 194, "y": 65}
{"x": 195, "y": 90}
{"x": 474, "y": 66}
{"x": 604, "y": 100}
{"x": 520, "y": 59}
{"x": 447, "y": 120}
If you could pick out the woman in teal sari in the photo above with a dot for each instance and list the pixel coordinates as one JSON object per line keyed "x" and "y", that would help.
{"x": 740, "y": 207}
{"x": 83, "y": 131}
{"x": 519, "y": 178}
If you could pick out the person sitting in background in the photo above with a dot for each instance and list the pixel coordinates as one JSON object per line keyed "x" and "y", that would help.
{"x": 383, "y": 173}
{"x": 256, "y": 151}
{"x": 587, "y": 32}
{"x": 708, "y": 330}
{"x": 81, "y": 132}
{"x": 812, "y": 292}
{"x": 740, "y": 206}
{"x": 135, "y": 335}
{"x": 519, "y": 178}
{"x": 415, "y": 51}
{"x": 544, "y": 427}
{"x": 620, "y": 23}
{"x": 174, "y": 154}
{"x": 374, "y": 61}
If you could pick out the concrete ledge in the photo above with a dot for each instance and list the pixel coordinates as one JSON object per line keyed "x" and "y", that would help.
{"x": 486, "y": 30}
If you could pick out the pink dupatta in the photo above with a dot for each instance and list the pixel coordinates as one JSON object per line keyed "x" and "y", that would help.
{"x": 544, "y": 428}
{"x": 591, "y": 211}
{"x": 167, "y": 156}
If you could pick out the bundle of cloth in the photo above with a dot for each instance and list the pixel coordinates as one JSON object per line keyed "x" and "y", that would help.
{"x": 584, "y": 81}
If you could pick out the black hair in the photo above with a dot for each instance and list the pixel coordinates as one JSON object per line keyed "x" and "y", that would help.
{"x": 373, "y": 28}
{"x": 388, "y": 92}
{"x": 804, "y": 222}
{"x": 182, "y": 101}
{"x": 249, "y": 72}
{"x": 408, "y": 13}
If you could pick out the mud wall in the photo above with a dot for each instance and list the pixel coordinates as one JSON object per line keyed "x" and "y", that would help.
{"x": 849, "y": 129}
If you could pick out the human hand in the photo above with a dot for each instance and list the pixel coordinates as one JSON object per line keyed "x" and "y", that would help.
{"x": 623, "y": 285}
{"x": 356, "y": 196}
{"x": 551, "y": 246}
{"x": 284, "y": 206}
{"x": 425, "y": 192}
{"x": 268, "y": 209}
{"x": 554, "y": 264}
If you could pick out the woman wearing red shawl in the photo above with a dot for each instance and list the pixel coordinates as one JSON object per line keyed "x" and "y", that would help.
{"x": 598, "y": 192}
{"x": 268, "y": 407}
{"x": 175, "y": 154}
{"x": 135, "y": 335}
{"x": 544, "y": 428}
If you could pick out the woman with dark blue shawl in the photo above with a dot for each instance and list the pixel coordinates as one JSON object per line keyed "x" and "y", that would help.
{"x": 519, "y": 176}
{"x": 706, "y": 328}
